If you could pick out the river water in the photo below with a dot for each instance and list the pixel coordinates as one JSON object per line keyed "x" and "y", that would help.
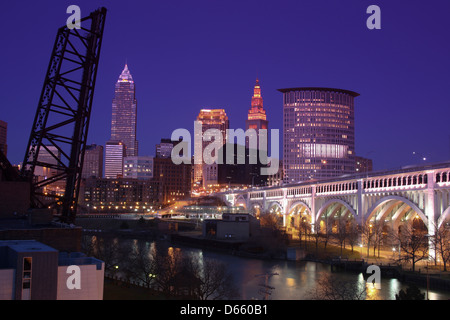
{"x": 290, "y": 280}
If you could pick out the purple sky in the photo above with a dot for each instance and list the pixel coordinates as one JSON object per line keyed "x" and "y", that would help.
{"x": 188, "y": 55}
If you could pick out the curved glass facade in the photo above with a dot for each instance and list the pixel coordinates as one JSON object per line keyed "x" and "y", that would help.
{"x": 318, "y": 133}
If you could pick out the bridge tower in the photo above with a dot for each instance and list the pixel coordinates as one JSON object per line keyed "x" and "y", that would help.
{"x": 61, "y": 123}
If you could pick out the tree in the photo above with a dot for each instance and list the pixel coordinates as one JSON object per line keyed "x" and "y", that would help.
{"x": 109, "y": 250}
{"x": 141, "y": 264}
{"x": 367, "y": 234}
{"x": 215, "y": 281}
{"x": 413, "y": 244}
{"x": 411, "y": 293}
{"x": 332, "y": 288}
{"x": 377, "y": 235}
{"x": 441, "y": 243}
{"x": 304, "y": 230}
{"x": 353, "y": 233}
{"x": 325, "y": 230}
{"x": 341, "y": 233}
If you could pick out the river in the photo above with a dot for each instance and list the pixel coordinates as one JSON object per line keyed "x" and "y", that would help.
{"x": 291, "y": 280}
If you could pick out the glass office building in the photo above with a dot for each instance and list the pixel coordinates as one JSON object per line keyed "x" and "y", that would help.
{"x": 124, "y": 113}
{"x": 318, "y": 133}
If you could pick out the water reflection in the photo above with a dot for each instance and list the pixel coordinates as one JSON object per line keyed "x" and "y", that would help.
{"x": 294, "y": 280}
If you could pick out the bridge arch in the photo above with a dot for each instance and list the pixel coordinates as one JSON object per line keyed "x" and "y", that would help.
{"x": 241, "y": 201}
{"x": 275, "y": 207}
{"x": 298, "y": 216}
{"x": 325, "y": 206}
{"x": 296, "y": 204}
{"x": 444, "y": 216}
{"x": 385, "y": 200}
{"x": 256, "y": 209}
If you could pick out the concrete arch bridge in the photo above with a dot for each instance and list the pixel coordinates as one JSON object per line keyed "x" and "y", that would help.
{"x": 411, "y": 194}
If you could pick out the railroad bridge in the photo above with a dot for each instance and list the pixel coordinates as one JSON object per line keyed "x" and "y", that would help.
{"x": 397, "y": 196}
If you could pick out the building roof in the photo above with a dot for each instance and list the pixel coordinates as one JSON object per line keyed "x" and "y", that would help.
{"x": 26, "y": 246}
{"x": 352, "y": 93}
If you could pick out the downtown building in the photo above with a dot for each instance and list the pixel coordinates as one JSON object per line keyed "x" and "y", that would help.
{"x": 118, "y": 195}
{"x": 206, "y": 175}
{"x": 256, "y": 118}
{"x": 318, "y": 133}
{"x": 123, "y": 142}
{"x": 93, "y": 162}
{"x": 115, "y": 153}
{"x": 139, "y": 167}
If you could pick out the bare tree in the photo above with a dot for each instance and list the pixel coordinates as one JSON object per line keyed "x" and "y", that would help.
{"x": 413, "y": 245}
{"x": 141, "y": 264}
{"x": 215, "y": 281}
{"x": 316, "y": 234}
{"x": 304, "y": 230}
{"x": 167, "y": 266}
{"x": 341, "y": 232}
{"x": 377, "y": 235}
{"x": 333, "y": 288}
{"x": 353, "y": 233}
{"x": 325, "y": 233}
{"x": 109, "y": 250}
{"x": 367, "y": 235}
{"x": 441, "y": 243}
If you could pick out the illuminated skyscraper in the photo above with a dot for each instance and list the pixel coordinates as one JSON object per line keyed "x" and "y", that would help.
{"x": 124, "y": 113}
{"x": 114, "y": 159}
{"x": 318, "y": 133}
{"x": 257, "y": 118}
{"x": 210, "y": 119}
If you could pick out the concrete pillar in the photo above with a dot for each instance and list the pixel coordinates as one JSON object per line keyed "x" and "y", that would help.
{"x": 430, "y": 211}
{"x": 313, "y": 208}
{"x": 285, "y": 206}
{"x": 360, "y": 204}
{"x": 264, "y": 208}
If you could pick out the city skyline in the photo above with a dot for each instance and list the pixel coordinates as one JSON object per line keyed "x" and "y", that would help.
{"x": 400, "y": 71}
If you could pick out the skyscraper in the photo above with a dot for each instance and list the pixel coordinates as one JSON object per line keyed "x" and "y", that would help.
{"x": 256, "y": 118}
{"x": 124, "y": 113}
{"x": 206, "y": 174}
{"x": 318, "y": 133}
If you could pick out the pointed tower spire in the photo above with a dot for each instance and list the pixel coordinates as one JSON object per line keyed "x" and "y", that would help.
{"x": 125, "y": 76}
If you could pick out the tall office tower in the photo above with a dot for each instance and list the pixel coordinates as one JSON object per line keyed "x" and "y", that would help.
{"x": 140, "y": 167}
{"x": 124, "y": 113}
{"x": 3, "y": 135}
{"x": 206, "y": 174}
{"x": 256, "y": 118}
{"x": 93, "y": 162}
{"x": 318, "y": 133}
{"x": 115, "y": 151}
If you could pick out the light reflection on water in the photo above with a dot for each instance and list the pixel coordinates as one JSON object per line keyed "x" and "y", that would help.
{"x": 293, "y": 280}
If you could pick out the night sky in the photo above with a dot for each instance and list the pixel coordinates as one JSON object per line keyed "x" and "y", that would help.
{"x": 188, "y": 55}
